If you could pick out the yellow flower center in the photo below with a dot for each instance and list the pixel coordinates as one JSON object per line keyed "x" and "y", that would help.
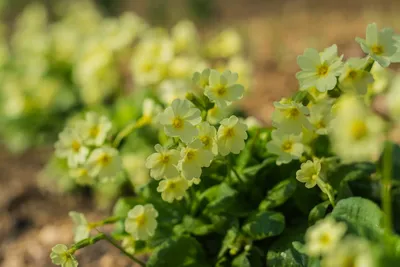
{"x": 148, "y": 67}
{"x": 190, "y": 155}
{"x": 164, "y": 159}
{"x": 348, "y": 261}
{"x": 171, "y": 185}
{"x": 322, "y": 70}
{"x": 377, "y": 49}
{"x": 221, "y": 90}
{"x": 104, "y": 159}
{"x": 314, "y": 177}
{"x": 320, "y": 124}
{"x": 358, "y": 129}
{"x": 292, "y": 113}
{"x": 229, "y": 132}
{"x": 206, "y": 140}
{"x": 140, "y": 220}
{"x": 94, "y": 131}
{"x": 177, "y": 123}
{"x": 352, "y": 74}
{"x": 75, "y": 146}
{"x": 325, "y": 239}
{"x": 287, "y": 146}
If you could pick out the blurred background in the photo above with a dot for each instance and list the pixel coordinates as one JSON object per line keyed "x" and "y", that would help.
{"x": 271, "y": 35}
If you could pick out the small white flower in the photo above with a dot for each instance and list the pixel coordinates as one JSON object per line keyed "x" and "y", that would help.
{"x": 324, "y": 236}
{"x": 180, "y": 120}
{"x": 380, "y": 45}
{"x": 60, "y": 255}
{"x": 319, "y": 69}
{"x": 290, "y": 117}
{"x": 354, "y": 77}
{"x": 310, "y": 173}
{"x": 351, "y": 251}
{"x": 104, "y": 162}
{"x": 320, "y": 117}
{"x": 231, "y": 136}
{"x": 194, "y": 157}
{"x": 286, "y": 146}
{"x": 174, "y": 188}
{"x": 207, "y": 135}
{"x": 141, "y": 221}
{"x": 356, "y": 133}
{"x": 150, "y": 110}
{"x": 216, "y": 114}
{"x": 70, "y": 146}
{"x": 223, "y": 89}
{"x": 202, "y": 79}
{"x": 95, "y": 129}
{"x": 163, "y": 164}
{"x": 82, "y": 229}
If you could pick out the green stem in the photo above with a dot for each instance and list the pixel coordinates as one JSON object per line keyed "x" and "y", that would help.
{"x": 387, "y": 185}
{"x": 115, "y": 244}
{"x": 87, "y": 242}
{"x": 127, "y": 131}
{"x": 109, "y": 220}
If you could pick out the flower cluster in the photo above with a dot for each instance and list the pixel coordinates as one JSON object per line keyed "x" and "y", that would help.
{"x": 85, "y": 147}
{"x": 86, "y": 59}
{"x": 327, "y": 239}
{"x": 195, "y": 141}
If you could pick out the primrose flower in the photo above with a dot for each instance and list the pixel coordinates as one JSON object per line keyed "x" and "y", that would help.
{"x": 290, "y": 117}
{"x": 194, "y": 157}
{"x": 320, "y": 117}
{"x": 286, "y": 146}
{"x": 180, "y": 120}
{"x": 231, "y": 136}
{"x": 173, "y": 188}
{"x": 356, "y": 133}
{"x": 141, "y": 222}
{"x": 202, "y": 79}
{"x": 60, "y": 255}
{"x": 163, "y": 163}
{"x": 324, "y": 236}
{"x": 82, "y": 229}
{"x": 351, "y": 251}
{"x": 70, "y": 145}
{"x": 379, "y": 45}
{"x": 184, "y": 37}
{"x": 207, "y": 135}
{"x": 104, "y": 162}
{"x": 310, "y": 173}
{"x": 81, "y": 176}
{"x": 319, "y": 69}
{"x": 223, "y": 89}
{"x": 216, "y": 114}
{"x": 226, "y": 44}
{"x": 381, "y": 77}
{"x": 354, "y": 77}
{"x": 95, "y": 129}
{"x": 150, "y": 110}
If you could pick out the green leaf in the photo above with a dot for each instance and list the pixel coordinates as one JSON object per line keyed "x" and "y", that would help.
{"x": 301, "y": 97}
{"x": 287, "y": 249}
{"x": 363, "y": 216}
{"x": 253, "y": 170}
{"x": 196, "y": 226}
{"x": 318, "y": 212}
{"x": 279, "y": 194}
{"x": 241, "y": 260}
{"x": 183, "y": 251}
{"x": 264, "y": 224}
{"x": 229, "y": 239}
{"x": 220, "y": 197}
